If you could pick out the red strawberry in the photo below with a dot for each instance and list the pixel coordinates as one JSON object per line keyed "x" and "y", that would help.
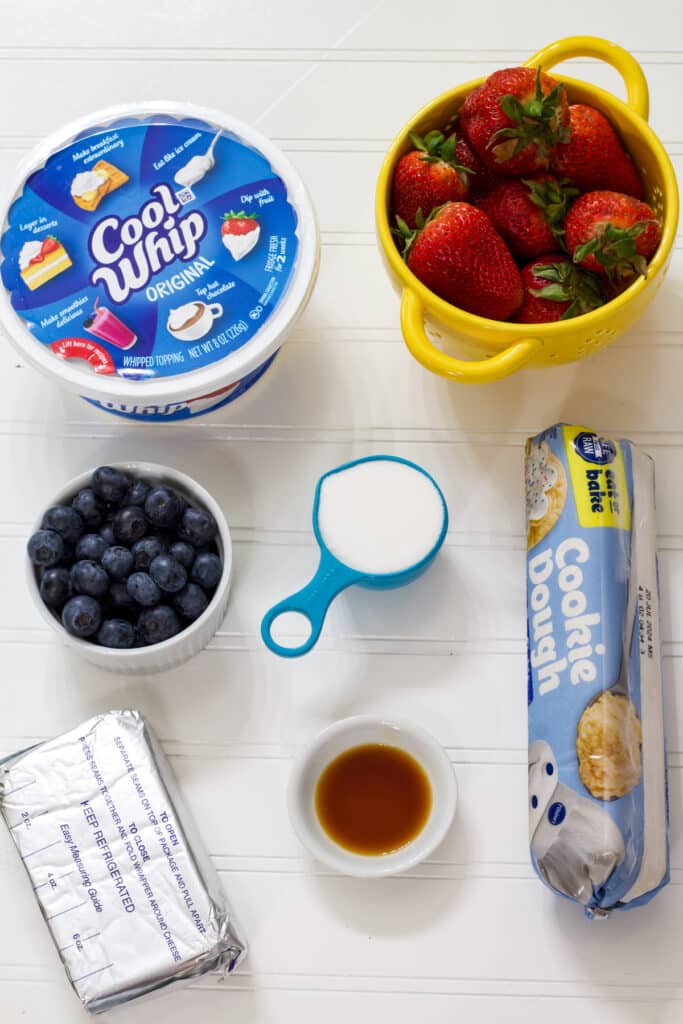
{"x": 612, "y": 234}
{"x": 594, "y": 157}
{"x": 460, "y": 256}
{"x": 515, "y": 119}
{"x": 238, "y": 223}
{"x": 482, "y": 180}
{"x": 50, "y": 244}
{"x": 529, "y": 213}
{"x": 428, "y": 176}
{"x": 554, "y": 289}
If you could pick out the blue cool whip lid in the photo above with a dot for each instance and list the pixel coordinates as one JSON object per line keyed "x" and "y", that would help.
{"x": 150, "y": 242}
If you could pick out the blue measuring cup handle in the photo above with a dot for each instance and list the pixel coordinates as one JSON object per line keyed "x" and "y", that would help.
{"x": 312, "y": 601}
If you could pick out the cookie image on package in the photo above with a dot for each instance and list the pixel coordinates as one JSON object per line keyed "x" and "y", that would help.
{"x": 608, "y": 742}
{"x": 546, "y": 491}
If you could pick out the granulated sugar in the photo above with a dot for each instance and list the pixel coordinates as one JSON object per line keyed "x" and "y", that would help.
{"x": 380, "y": 516}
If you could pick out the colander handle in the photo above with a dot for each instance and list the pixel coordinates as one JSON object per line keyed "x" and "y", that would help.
{"x": 465, "y": 371}
{"x": 637, "y": 93}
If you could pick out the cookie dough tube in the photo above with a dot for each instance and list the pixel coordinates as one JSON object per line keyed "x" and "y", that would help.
{"x": 596, "y": 725}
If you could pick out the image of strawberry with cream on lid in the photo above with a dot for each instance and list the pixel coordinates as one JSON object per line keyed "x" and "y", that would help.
{"x": 240, "y": 232}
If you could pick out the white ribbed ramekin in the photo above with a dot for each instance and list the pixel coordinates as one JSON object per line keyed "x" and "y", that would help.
{"x": 192, "y": 639}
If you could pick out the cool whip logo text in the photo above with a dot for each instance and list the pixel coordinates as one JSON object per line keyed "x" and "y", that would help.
{"x": 578, "y": 623}
{"x": 129, "y": 252}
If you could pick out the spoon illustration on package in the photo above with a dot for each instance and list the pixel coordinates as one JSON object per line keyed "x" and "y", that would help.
{"x": 197, "y": 166}
{"x": 379, "y": 522}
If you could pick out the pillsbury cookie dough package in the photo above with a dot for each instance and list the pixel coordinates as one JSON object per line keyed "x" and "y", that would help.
{"x": 598, "y": 824}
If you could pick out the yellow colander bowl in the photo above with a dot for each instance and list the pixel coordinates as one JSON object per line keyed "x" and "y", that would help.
{"x": 502, "y": 348}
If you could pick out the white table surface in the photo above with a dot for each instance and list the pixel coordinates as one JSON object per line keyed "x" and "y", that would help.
{"x": 470, "y": 935}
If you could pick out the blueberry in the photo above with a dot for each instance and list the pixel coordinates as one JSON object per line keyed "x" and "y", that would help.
{"x": 207, "y": 570}
{"x": 45, "y": 547}
{"x": 69, "y": 556}
{"x": 143, "y": 589}
{"x": 129, "y": 524}
{"x": 168, "y": 574}
{"x": 167, "y": 537}
{"x": 110, "y": 484}
{"x": 65, "y": 521}
{"x": 119, "y": 601}
{"x": 81, "y": 616}
{"x": 92, "y": 546}
{"x": 87, "y": 577}
{"x": 116, "y": 633}
{"x": 163, "y": 507}
{"x": 55, "y": 588}
{"x": 157, "y": 624}
{"x": 89, "y": 507}
{"x": 118, "y": 562}
{"x": 183, "y": 553}
{"x": 191, "y": 601}
{"x": 145, "y": 550}
{"x": 197, "y": 526}
{"x": 137, "y": 493}
{"x": 107, "y": 534}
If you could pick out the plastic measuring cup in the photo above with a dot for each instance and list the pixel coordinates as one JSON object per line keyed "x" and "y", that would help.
{"x": 334, "y": 575}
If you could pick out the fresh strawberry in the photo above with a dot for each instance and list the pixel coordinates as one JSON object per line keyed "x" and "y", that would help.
{"x": 458, "y": 254}
{"x": 612, "y": 234}
{"x": 482, "y": 180}
{"x": 594, "y": 157}
{"x": 238, "y": 223}
{"x": 428, "y": 176}
{"x": 554, "y": 289}
{"x": 529, "y": 214}
{"x": 50, "y": 244}
{"x": 515, "y": 120}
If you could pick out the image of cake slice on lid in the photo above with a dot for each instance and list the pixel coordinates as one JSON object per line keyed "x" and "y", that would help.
{"x": 41, "y": 260}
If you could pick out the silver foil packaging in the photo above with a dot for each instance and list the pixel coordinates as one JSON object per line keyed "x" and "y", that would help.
{"x": 127, "y": 891}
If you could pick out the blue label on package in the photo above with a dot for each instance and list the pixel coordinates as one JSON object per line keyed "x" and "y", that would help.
{"x": 149, "y": 248}
{"x": 597, "y": 782}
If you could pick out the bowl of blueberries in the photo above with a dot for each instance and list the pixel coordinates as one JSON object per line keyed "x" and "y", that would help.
{"x": 131, "y": 564}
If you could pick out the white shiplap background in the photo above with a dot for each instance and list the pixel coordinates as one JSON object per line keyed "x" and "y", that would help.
{"x": 470, "y": 935}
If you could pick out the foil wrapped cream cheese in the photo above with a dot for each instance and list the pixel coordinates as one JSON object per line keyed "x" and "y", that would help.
{"x": 129, "y": 895}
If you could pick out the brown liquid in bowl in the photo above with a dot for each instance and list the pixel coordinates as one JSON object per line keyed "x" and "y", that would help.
{"x": 373, "y": 799}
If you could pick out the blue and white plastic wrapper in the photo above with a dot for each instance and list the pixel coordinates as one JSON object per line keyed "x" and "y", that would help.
{"x": 598, "y": 816}
{"x": 127, "y": 890}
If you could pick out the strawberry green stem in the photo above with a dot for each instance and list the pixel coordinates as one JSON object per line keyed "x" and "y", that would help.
{"x": 615, "y": 249}
{"x": 537, "y": 120}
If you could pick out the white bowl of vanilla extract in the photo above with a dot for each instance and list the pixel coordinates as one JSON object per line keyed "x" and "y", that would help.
{"x": 372, "y": 796}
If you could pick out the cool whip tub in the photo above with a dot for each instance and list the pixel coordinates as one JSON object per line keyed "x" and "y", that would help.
{"x": 154, "y": 256}
{"x": 597, "y": 770}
